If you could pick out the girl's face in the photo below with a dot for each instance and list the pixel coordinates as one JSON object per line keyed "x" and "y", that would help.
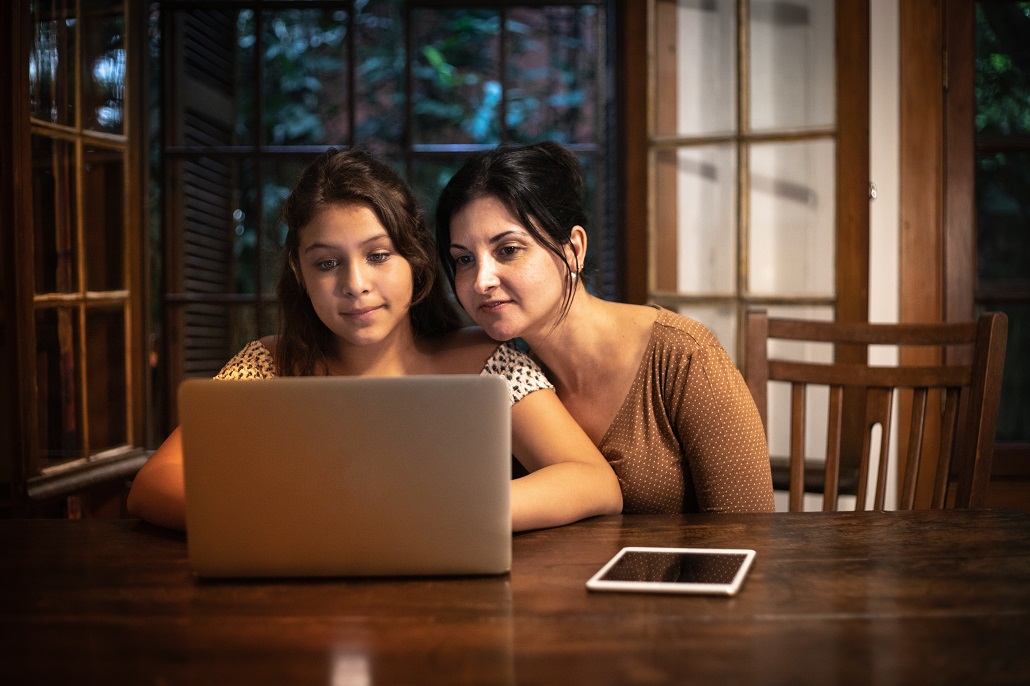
{"x": 360, "y": 287}
{"x": 508, "y": 282}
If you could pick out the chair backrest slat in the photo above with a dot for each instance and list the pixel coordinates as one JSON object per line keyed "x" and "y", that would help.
{"x": 969, "y": 394}
{"x": 949, "y": 427}
{"x": 797, "y": 447}
{"x": 855, "y": 374}
{"x": 831, "y": 475}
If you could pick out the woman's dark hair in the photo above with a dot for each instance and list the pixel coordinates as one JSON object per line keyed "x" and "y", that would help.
{"x": 345, "y": 177}
{"x": 540, "y": 184}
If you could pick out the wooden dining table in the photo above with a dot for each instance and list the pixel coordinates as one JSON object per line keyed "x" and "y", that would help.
{"x": 935, "y": 597}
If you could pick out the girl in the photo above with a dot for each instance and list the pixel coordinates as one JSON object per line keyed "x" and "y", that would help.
{"x": 655, "y": 391}
{"x": 358, "y": 295}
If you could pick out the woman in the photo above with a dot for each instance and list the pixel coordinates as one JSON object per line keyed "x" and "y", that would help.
{"x": 358, "y": 295}
{"x": 655, "y": 391}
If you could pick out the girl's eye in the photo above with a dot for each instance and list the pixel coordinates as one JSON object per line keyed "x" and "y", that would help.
{"x": 326, "y": 265}
{"x": 378, "y": 257}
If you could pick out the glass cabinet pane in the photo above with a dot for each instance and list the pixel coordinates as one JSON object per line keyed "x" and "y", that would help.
{"x": 53, "y": 215}
{"x": 792, "y": 219}
{"x": 304, "y": 77}
{"x": 696, "y": 64}
{"x": 552, "y": 69}
{"x": 107, "y": 383}
{"x": 795, "y": 39}
{"x": 52, "y": 62}
{"x": 103, "y": 66}
{"x": 103, "y": 218}
{"x": 58, "y": 386}
{"x": 456, "y": 88}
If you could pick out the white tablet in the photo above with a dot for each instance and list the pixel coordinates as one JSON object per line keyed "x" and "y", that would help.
{"x": 717, "y": 571}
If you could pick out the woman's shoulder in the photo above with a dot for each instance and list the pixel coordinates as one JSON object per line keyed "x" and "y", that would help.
{"x": 255, "y": 361}
{"x": 675, "y": 327}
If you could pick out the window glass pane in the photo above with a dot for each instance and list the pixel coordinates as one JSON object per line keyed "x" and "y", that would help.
{"x": 704, "y": 214}
{"x": 430, "y": 173}
{"x": 552, "y": 72}
{"x": 107, "y": 384}
{"x": 792, "y": 218}
{"x": 103, "y": 66}
{"x": 304, "y": 71}
{"x": 696, "y": 63}
{"x": 57, "y": 386}
{"x": 1002, "y": 72}
{"x": 103, "y": 219}
{"x": 52, "y": 62}
{"x": 53, "y": 215}
{"x": 1003, "y": 215}
{"x": 1015, "y": 383}
{"x": 379, "y": 78}
{"x": 456, "y": 89}
{"x": 795, "y": 38}
{"x": 278, "y": 178}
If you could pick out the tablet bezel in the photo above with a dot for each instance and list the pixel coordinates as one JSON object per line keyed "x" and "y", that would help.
{"x": 598, "y": 583}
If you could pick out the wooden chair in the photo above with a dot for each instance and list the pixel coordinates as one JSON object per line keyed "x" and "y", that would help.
{"x": 969, "y": 392}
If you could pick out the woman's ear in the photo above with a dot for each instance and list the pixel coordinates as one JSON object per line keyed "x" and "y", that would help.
{"x": 576, "y": 250}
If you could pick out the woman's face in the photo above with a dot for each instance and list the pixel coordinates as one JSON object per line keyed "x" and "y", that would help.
{"x": 359, "y": 286}
{"x": 508, "y": 282}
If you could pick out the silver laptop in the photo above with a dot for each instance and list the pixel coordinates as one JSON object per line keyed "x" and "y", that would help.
{"x": 347, "y": 476}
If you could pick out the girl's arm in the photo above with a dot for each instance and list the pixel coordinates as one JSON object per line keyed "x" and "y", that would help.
{"x": 569, "y": 479}
{"x": 158, "y": 492}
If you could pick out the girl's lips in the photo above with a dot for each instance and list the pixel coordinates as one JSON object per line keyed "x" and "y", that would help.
{"x": 358, "y": 312}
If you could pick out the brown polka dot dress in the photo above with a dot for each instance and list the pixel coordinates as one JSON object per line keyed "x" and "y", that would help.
{"x": 688, "y": 437}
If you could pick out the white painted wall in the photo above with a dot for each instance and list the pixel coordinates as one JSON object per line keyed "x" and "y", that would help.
{"x": 884, "y": 243}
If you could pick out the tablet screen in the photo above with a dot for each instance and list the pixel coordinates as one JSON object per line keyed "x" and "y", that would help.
{"x": 674, "y": 570}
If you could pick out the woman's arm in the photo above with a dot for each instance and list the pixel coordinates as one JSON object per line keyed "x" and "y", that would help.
{"x": 158, "y": 492}
{"x": 569, "y": 479}
{"x": 721, "y": 432}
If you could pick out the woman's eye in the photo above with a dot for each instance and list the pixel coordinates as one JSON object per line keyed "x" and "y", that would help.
{"x": 509, "y": 250}
{"x": 378, "y": 257}
{"x": 462, "y": 260}
{"x": 326, "y": 265}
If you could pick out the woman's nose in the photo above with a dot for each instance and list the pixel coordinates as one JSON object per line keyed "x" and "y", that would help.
{"x": 486, "y": 276}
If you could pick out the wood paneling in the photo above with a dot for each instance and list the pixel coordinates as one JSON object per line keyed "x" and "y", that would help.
{"x": 921, "y": 155}
{"x": 631, "y": 23}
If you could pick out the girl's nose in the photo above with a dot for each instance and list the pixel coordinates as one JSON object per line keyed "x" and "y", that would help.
{"x": 355, "y": 281}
